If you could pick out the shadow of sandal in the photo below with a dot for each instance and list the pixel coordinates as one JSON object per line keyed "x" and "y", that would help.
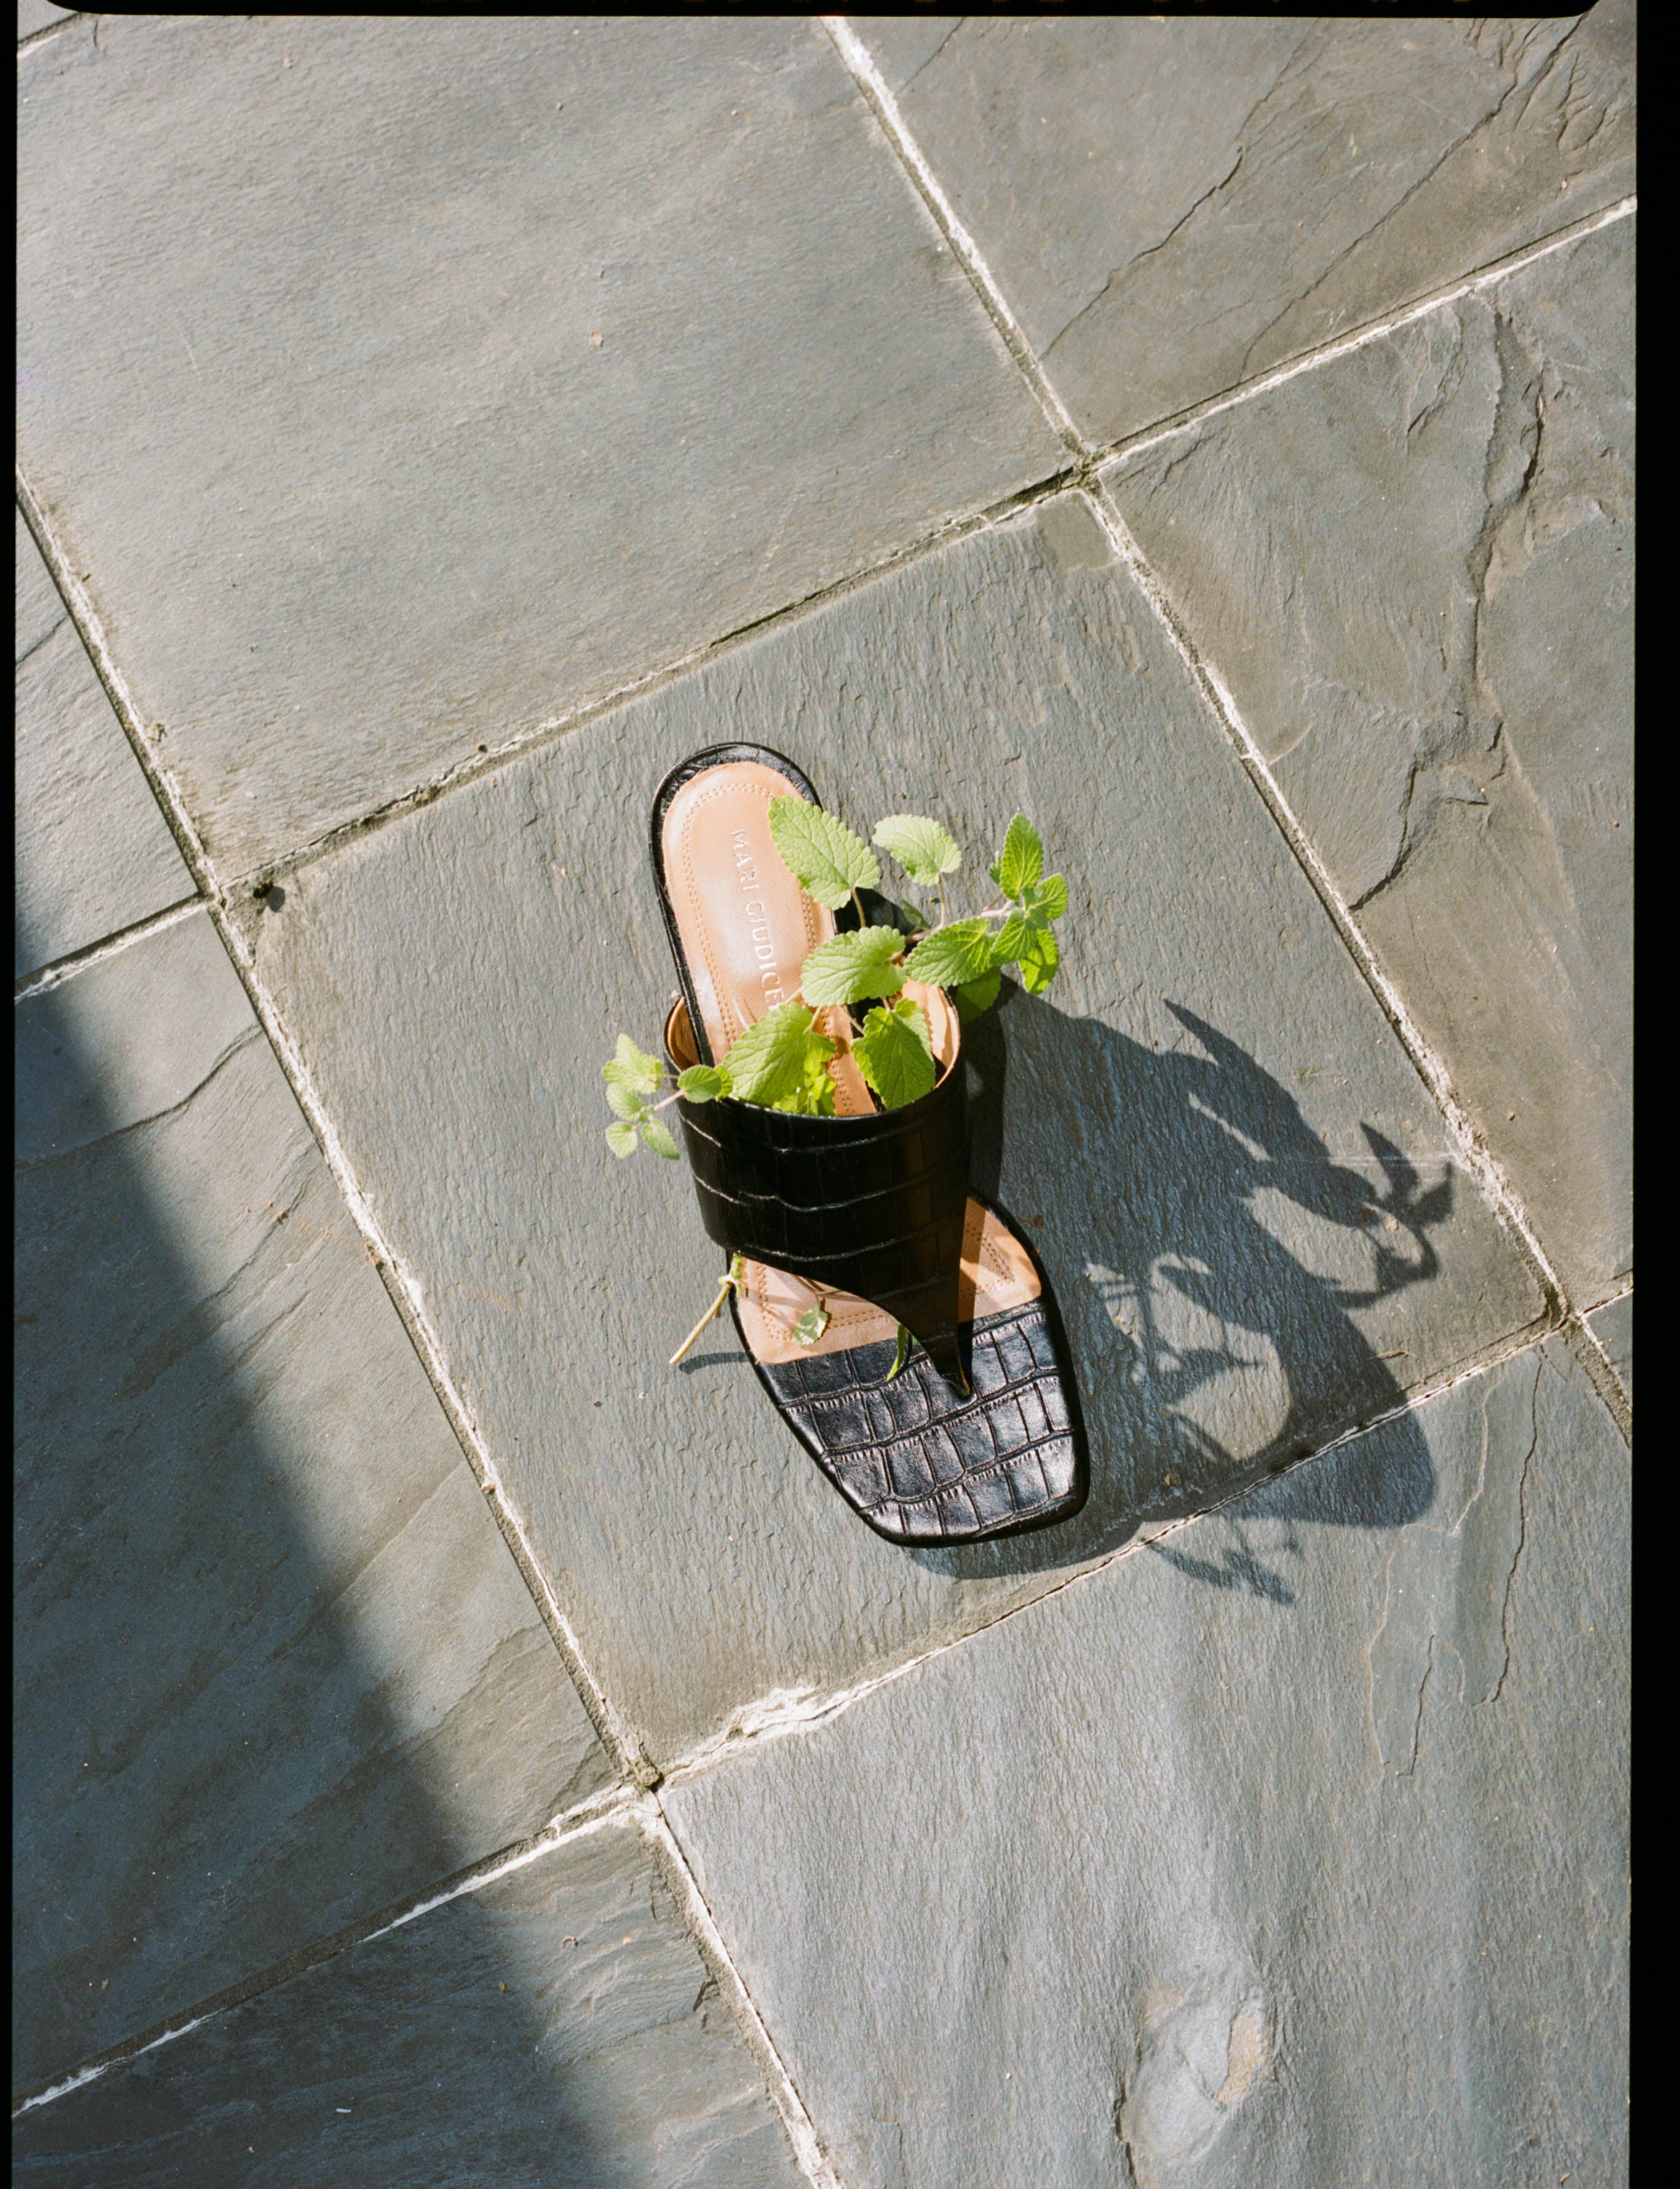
{"x": 1209, "y": 1353}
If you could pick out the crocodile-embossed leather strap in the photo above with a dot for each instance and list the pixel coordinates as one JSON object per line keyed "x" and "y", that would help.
{"x": 918, "y": 1469}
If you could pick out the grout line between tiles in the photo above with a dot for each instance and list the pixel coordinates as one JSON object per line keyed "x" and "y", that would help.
{"x": 91, "y": 631}
{"x": 60, "y": 969}
{"x": 1595, "y": 1358}
{"x": 558, "y": 728}
{"x": 1309, "y": 360}
{"x": 1082, "y": 471}
{"x": 1588, "y": 1349}
{"x": 48, "y": 30}
{"x": 614, "y": 1805}
{"x": 781, "y": 1710}
{"x": 860, "y": 63}
{"x": 801, "y": 2131}
{"x": 404, "y": 1288}
{"x": 1431, "y": 1069}
{"x": 400, "y": 1282}
{"x": 407, "y": 1294}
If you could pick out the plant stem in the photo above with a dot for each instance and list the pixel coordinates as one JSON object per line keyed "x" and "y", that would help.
{"x": 724, "y": 1284}
{"x": 922, "y": 934}
{"x": 858, "y": 902}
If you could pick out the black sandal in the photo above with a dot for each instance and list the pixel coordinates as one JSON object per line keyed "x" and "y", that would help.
{"x": 866, "y": 1213}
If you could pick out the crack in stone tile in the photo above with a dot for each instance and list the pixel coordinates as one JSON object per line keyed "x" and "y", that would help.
{"x": 1522, "y": 1527}
{"x": 152, "y": 1116}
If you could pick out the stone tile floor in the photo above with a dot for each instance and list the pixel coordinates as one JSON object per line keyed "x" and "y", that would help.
{"x": 454, "y": 1748}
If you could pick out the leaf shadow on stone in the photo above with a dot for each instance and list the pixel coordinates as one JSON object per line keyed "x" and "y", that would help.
{"x": 207, "y": 1779}
{"x": 1207, "y": 1354}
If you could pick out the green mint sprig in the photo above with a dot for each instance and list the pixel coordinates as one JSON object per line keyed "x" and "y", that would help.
{"x": 781, "y": 1061}
{"x": 632, "y": 1077}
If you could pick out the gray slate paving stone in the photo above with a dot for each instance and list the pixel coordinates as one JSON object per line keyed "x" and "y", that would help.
{"x": 1160, "y": 1884}
{"x": 1414, "y": 569}
{"x": 95, "y": 854}
{"x": 35, "y": 16}
{"x": 556, "y": 2029}
{"x": 1240, "y": 1191}
{"x": 1173, "y": 206}
{"x": 1612, "y": 1325}
{"x": 375, "y": 494}
{"x": 276, "y": 1668}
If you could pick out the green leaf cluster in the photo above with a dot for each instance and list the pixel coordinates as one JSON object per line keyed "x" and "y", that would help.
{"x": 781, "y": 1062}
{"x": 1027, "y": 938}
{"x": 632, "y": 1077}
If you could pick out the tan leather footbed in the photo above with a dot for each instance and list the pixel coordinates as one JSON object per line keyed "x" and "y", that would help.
{"x": 746, "y": 927}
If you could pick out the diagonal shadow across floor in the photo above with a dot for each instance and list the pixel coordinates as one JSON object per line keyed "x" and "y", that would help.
{"x": 275, "y": 1676}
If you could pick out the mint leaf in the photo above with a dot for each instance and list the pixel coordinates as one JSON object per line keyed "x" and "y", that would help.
{"x": 811, "y": 1325}
{"x": 821, "y": 853}
{"x": 923, "y": 849}
{"x": 703, "y": 1083}
{"x": 633, "y": 1067}
{"x": 895, "y": 1052}
{"x": 1049, "y": 897}
{"x": 852, "y": 967}
{"x": 974, "y": 997}
{"x": 621, "y": 1138}
{"x": 623, "y": 1104}
{"x": 900, "y": 1352}
{"x": 1022, "y": 861}
{"x": 814, "y": 1095}
{"x": 951, "y": 955}
{"x": 1011, "y": 938}
{"x": 768, "y": 1061}
{"x": 655, "y": 1132}
{"x": 1038, "y": 962}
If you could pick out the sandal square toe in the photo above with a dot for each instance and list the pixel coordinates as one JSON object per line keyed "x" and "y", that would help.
{"x": 918, "y": 1469}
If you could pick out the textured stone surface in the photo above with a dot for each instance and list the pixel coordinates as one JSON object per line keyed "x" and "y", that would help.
{"x": 1240, "y": 1189}
{"x": 273, "y": 1665}
{"x": 1313, "y": 1878}
{"x": 1612, "y": 1325}
{"x": 1414, "y": 569}
{"x": 556, "y": 2029}
{"x": 449, "y": 397}
{"x": 1171, "y": 206}
{"x": 35, "y": 16}
{"x": 94, "y": 852}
